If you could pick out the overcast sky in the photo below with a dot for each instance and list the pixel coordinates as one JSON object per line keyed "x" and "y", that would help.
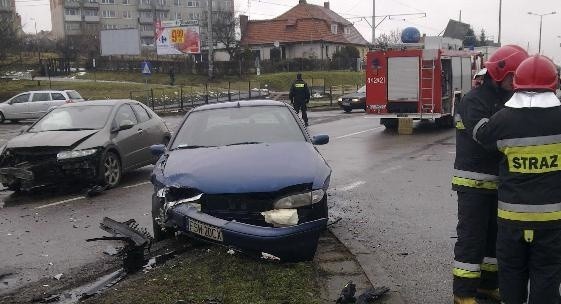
{"x": 518, "y": 27}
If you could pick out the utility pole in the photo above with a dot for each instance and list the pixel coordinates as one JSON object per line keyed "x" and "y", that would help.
{"x": 210, "y": 42}
{"x": 500, "y": 19}
{"x": 373, "y": 22}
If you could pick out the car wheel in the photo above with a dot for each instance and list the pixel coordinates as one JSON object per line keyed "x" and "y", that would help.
{"x": 389, "y": 123}
{"x": 347, "y": 110}
{"x": 2, "y": 118}
{"x": 111, "y": 169}
{"x": 16, "y": 187}
{"x": 160, "y": 233}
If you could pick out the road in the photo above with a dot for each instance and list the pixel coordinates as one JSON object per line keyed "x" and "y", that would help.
{"x": 391, "y": 192}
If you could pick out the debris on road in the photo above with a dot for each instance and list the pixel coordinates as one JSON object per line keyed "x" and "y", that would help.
{"x": 95, "y": 190}
{"x": 267, "y": 256}
{"x": 347, "y": 294}
{"x": 111, "y": 251}
{"x": 58, "y": 276}
{"x": 372, "y": 294}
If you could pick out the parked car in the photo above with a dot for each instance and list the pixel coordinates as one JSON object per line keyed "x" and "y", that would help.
{"x": 356, "y": 100}
{"x": 34, "y": 104}
{"x": 91, "y": 141}
{"x": 245, "y": 175}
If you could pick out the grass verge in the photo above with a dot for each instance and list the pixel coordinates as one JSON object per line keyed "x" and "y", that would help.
{"x": 205, "y": 275}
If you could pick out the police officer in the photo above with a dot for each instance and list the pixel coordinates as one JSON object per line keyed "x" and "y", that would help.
{"x": 475, "y": 181}
{"x": 300, "y": 96}
{"x": 528, "y": 134}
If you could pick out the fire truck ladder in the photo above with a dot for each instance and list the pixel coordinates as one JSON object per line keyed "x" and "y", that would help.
{"x": 427, "y": 92}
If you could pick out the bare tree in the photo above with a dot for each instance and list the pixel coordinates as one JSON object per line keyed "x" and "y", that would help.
{"x": 224, "y": 28}
{"x": 8, "y": 35}
{"x": 393, "y": 37}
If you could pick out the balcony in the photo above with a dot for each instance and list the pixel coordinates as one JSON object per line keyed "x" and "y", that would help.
{"x": 91, "y": 18}
{"x": 144, "y": 7}
{"x": 71, "y": 4}
{"x": 73, "y": 32}
{"x": 145, "y": 20}
{"x": 88, "y": 4}
{"x": 147, "y": 34}
{"x": 72, "y": 18}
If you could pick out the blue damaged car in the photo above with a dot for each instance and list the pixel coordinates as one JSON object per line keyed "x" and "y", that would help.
{"x": 244, "y": 175}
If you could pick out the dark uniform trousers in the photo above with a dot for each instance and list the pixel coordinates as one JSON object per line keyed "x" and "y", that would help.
{"x": 529, "y": 254}
{"x": 301, "y": 106}
{"x": 474, "y": 253}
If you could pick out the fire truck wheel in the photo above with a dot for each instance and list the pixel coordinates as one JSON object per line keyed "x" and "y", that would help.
{"x": 445, "y": 122}
{"x": 389, "y": 123}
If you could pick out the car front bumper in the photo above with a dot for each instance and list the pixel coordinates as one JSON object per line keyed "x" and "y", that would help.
{"x": 294, "y": 243}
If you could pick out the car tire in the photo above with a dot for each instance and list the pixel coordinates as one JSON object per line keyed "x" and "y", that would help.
{"x": 347, "y": 110}
{"x": 160, "y": 234}
{"x": 2, "y": 118}
{"x": 445, "y": 122}
{"x": 110, "y": 170}
{"x": 16, "y": 187}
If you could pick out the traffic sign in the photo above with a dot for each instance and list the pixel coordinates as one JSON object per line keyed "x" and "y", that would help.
{"x": 145, "y": 67}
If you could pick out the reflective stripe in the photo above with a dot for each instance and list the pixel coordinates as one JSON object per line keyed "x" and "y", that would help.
{"x": 533, "y": 159}
{"x": 489, "y": 265}
{"x": 529, "y": 213}
{"x": 529, "y": 236}
{"x": 529, "y": 141}
{"x": 460, "y": 125}
{"x": 466, "y": 273}
{"x": 475, "y": 175}
{"x": 299, "y": 85}
{"x": 520, "y": 208}
{"x": 466, "y": 182}
{"x": 477, "y": 126}
{"x": 467, "y": 266}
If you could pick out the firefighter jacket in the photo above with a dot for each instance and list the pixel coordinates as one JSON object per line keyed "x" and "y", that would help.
{"x": 475, "y": 168}
{"x": 299, "y": 92}
{"x": 528, "y": 134}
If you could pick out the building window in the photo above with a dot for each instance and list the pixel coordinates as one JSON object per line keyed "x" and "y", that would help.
{"x": 194, "y": 16}
{"x": 228, "y": 4}
{"x": 163, "y": 2}
{"x": 4, "y": 3}
{"x": 334, "y": 28}
{"x": 347, "y": 30}
{"x": 147, "y": 28}
{"x": 72, "y": 12}
{"x": 193, "y": 3}
{"x": 147, "y": 2}
{"x": 177, "y": 2}
{"x": 108, "y": 1}
{"x": 127, "y": 14}
{"x": 164, "y": 15}
{"x": 108, "y": 14}
{"x": 90, "y": 12}
{"x": 147, "y": 41}
{"x": 72, "y": 26}
{"x": 146, "y": 14}
{"x": 125, "y": 2}
{"x": 110, "y": 26}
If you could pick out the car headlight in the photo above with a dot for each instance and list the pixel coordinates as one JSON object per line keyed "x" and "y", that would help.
{"x": 355, "y": 99}
{"x": 75, "y": 154}
{"x": 340, "y": 99}
{"x": 299, "y": 200}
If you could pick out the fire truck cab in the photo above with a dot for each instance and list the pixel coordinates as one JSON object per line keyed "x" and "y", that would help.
{"x": 410, "y": 80}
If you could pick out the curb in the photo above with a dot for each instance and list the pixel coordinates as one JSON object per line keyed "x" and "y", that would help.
{"x": 376, "y": 274}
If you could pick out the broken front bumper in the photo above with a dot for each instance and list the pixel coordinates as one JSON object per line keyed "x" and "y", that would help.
{"x": 294, "y": 243}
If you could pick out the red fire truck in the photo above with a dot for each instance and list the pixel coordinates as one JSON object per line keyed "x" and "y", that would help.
{"x": 411, "y": 81}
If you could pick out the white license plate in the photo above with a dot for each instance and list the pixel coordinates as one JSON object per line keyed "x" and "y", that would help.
{"x": 346, "y": 103}
{"x": 204, "y": 230}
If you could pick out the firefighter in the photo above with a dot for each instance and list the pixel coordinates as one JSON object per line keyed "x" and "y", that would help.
{"x": 300, "y": 96}
{"x": 528, "y": 134}
{"x": 475, "y": 181}
{"x": 478, "y": 78}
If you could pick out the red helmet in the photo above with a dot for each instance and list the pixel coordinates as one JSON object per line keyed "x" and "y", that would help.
{"x": 505, "y": 61}
{"x": 536, "y": 73}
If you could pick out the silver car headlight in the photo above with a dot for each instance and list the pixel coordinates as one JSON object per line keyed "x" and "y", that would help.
{"x": 299, "y": 200}
{"x": 355, "y": 99}
{"x": 75, "y": 154}
{"x": 340, "y": 99}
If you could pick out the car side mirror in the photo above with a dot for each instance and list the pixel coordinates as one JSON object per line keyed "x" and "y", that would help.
{"x": 319, "y": 140}
{"x": 125, "y": 125}
{"x": 158, "y": 150}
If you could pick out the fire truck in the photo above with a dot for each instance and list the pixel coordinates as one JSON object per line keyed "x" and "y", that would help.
{"x": 418, "y": 81}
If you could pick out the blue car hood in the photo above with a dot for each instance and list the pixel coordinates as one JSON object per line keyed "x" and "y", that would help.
{"x": 244, "y": 168}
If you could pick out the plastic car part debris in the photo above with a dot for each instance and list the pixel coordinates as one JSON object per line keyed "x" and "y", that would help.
{"x": 110, "y": 250}
{"x": 95, "y": 190}
{"x": 347, "y": 294}
{"x": 372, "y": 294}
{"x": 281, "y": 217}
{"x": 137, "y": 240}
{"x": 267, "y": 256}
{"x": 58, "y": 276}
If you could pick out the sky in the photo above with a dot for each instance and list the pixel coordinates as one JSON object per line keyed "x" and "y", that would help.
{"x": 518, "y": 27}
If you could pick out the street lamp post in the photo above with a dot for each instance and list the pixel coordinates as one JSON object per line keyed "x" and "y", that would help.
{"x": 36, "y": 39}
{"x": 541, "y": 19}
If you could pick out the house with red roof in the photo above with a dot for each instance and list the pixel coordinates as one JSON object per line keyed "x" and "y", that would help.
{"x": 304, "y": 31}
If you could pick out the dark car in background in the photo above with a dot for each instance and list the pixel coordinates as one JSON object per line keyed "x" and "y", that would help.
{"x": 245, "y": 175}
{"x": 91, "y": 141}
{"x": 356, "y": 100}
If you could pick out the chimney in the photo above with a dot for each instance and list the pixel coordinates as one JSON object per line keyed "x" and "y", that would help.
{"x": 326, "y": 5}
{"x": 302, "y": 2}
{"x": 244, "y": 19}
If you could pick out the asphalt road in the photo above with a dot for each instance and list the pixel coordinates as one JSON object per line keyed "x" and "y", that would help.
{"x": 391, "y": 192}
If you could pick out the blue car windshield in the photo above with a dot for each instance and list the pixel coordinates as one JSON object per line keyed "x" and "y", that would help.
{"x": 244, "y": 125}
{"x": 73, "y": 119}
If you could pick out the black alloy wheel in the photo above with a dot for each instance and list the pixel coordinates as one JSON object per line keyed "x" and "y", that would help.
{"x": 111, "y": 169}
{"x": 2, "y": 118}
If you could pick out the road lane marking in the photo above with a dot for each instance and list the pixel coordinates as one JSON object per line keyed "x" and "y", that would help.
{"x": 60, "y": 202}
{"x": 360, "y": 132}
{"x": 388, "y": 170}
{"x": 352, "y": 186}
{"x": 136, "y": 185}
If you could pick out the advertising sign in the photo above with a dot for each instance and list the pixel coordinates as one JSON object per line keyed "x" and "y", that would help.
{"x": 178, "y": 39}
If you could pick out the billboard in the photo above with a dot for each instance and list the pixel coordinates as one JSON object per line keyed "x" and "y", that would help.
{"x": 177, "y": 38}
{"x": 120, "y": 42}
